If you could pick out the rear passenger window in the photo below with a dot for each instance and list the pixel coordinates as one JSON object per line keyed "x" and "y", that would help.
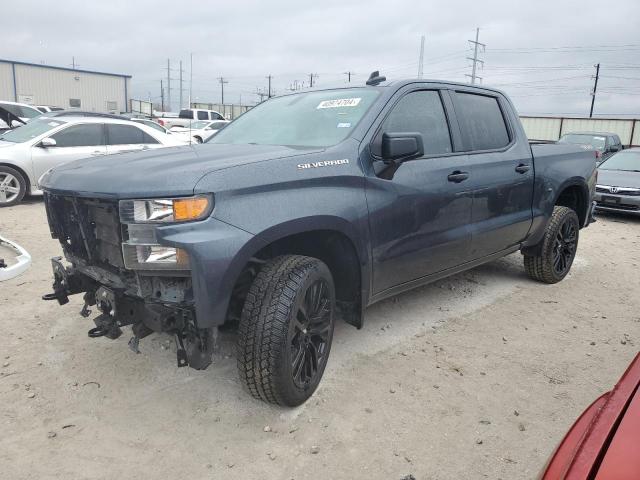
{"x": 203, "y": 115}
{"x": 87, "y": 135}
{"x": 128, "y": 135}
{"x": 481, "y": 121}
{"x": 420, "y": 112}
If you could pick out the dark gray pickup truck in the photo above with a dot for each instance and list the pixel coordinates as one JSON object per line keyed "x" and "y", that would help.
{"x": 308, "y": 208}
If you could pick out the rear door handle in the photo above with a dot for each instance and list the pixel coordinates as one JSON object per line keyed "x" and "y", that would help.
{"x": 458, "y": 176}
{"x": 522, "y": 168}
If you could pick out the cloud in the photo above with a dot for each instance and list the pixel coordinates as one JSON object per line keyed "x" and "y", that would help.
{"x": 245, "y": 41}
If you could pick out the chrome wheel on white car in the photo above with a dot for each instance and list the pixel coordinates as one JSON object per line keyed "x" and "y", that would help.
{"x": 12, "y": 186}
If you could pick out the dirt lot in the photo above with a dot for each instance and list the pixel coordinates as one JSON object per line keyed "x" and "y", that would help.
{"x": 477, "y": 376}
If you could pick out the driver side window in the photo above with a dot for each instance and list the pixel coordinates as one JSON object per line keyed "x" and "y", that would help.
{"x": 420, "y": 112}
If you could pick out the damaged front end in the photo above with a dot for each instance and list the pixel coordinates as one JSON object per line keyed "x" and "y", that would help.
{"x": 125, "y": 274}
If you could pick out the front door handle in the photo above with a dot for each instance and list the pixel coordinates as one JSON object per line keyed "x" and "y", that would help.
{"x": 96, "y": 153}
{"x": 522, "y": 168}
{"x": 458, "y": 176}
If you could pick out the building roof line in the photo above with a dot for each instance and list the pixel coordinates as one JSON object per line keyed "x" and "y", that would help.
{"x": 41, "y": 65}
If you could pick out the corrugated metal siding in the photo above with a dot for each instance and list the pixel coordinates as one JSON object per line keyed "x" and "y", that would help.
{"x": 6, "y": 82}
{"x": 636, "y": 134}
{"x": 541, "y": 128}
{"x": 56, "y": 87}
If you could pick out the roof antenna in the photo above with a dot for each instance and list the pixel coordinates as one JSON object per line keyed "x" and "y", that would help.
{"x": 375, "y": 78}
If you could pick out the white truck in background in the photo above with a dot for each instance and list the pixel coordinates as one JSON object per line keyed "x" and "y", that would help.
{"x": 189, "y": 115}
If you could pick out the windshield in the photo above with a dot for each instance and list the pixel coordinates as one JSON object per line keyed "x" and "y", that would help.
{"x": 31, "y": 130}
{"x": 312, "y": 119}
{"x": 595, "y": 141}
{"x": 20, "y": 111}
{"x": 627, "y": 161}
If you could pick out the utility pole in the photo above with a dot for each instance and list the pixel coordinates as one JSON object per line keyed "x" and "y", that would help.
{"x": 74, "y": 65}
{"x": 348, "y": 74}
{"x": 181, "y": 105}
{"x": 476, "y": 46}
{"x": 222, "y": 82}
{"x": 421, "y": 59}
{"x": 161, "y": 95}
{"x": 269, "y": 77}
{"x": 595, "y": 87}
{"x": 191, "y": 80}
{"x": 311, "y": 77}
{"x": 168, "y": 84}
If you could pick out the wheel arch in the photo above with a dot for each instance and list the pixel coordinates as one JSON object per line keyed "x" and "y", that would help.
{"x": 330, "y": 239}
{"x": 574, "y": 193}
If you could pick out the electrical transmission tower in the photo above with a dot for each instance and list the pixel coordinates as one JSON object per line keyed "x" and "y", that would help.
{"x": 475, "y": 60}
{"x": 421, "y": 59}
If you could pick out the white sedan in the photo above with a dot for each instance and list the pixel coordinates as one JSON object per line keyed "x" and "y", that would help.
{"x": 46, "y": 142}
{"x": 199, "y": 131}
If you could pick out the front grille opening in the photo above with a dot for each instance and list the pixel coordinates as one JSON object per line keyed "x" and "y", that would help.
{"x": 88, "y": 229}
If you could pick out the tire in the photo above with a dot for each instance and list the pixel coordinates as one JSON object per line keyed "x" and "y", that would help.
{"x": 559, "y": 246}
{"x": 13, "y": 186}
{"x": 281, "y": 352}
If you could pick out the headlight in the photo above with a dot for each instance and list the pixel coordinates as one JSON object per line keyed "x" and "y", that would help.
{"x": 169, "y": 210}
{"x": 141, "y": 250}
{"x": 154, "y": 257}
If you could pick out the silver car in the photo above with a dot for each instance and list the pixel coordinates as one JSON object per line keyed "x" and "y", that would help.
{"x": 618, "y": 188}
{"x": 45, "y": 142}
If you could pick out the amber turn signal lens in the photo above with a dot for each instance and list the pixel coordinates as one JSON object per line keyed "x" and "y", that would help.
{"x": 190, "y": 208}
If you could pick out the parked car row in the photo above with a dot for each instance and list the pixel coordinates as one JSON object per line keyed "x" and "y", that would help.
{"x": 45, "y": 142}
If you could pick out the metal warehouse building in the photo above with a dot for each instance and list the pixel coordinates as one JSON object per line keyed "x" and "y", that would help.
{"x": 63, "y": 87}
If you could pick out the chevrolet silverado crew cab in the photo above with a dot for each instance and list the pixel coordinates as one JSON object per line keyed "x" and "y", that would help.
{"x": 305, "y": 210}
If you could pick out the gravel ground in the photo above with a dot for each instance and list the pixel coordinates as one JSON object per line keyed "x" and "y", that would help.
{"x": 476, "y": 376}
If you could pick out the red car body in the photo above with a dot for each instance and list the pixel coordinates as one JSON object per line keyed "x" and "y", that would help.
{"x": 604, "y": 443}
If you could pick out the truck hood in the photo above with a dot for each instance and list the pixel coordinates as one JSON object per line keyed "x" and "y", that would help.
{"x": 618, "y": 178}
{"x": 167, "y": 171}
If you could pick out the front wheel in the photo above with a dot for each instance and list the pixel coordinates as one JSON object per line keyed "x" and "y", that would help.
{"x": 13, "y": 186}
{"x": 286, "y": 328}
{"x": 559, "y": 246}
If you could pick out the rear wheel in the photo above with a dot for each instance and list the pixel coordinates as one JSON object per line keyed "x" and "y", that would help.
{"x": 13, "y": 186}
{"x": 286, "y": 328}
{"x": 559, "y": 246}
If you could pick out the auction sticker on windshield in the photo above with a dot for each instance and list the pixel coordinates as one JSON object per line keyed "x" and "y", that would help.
{"x": 339, "y": 102}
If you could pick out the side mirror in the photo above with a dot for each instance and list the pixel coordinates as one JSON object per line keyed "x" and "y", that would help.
{"x": 398, "y": 147}
{"x": 48, "y": 142}
{"x": 16, "y": 123}
{"x": 614, "y": 148}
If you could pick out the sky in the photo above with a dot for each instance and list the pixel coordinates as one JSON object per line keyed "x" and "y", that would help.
{"x": 541, "y": 53}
